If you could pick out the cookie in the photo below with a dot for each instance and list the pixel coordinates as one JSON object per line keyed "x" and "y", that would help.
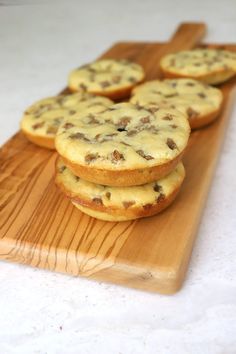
{"x": 124, "y": 145}
{"x": 107, "y": 77}
{"x": 211, "y": 66}
{"x": 119, "y": 203}
{"x": 201, "y": 102}
{"x": 40, "y": 121}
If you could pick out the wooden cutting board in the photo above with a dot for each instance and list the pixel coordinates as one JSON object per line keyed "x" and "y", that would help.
{"x": 41, "y": 228}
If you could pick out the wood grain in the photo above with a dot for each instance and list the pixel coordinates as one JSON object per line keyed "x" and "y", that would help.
{"x": 41, "y": 228}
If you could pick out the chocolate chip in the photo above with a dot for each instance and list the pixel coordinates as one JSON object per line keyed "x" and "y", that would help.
{"x": 173, "y": 84}
{"x": 90, "y": 69}
{"x": 171, "y": 144}
{"x": 124, "y": 121}
{"x": 116, "y": 156}
{"x": 116, "y": 79}
{"x": 78, "y": 136}
{"x": 92, "y": 119}
{"x": 38, "y": 125}
{"x": 68, "y": 125}
{"x": 105, "y": 84}
{"x": 128, "y": 204}
{"x": 171, "y": 95}
{"x": 146, "y": 157}
{"x": 138, "y": 106}
{"x": 160, "y": 197}
{"x": 91, "y": 157}
{"x": 189, "y": 83}
{"x": 147, "y": 206}
{"x": 132, "y": 132}
{"x": 168, "y": 117}
{"x": 192, "y": 113}
{"x": 108, "y": 195}
{"x": 202, "y": 95}
{"x": 52, "y": 129}
{"x": 61, "y": 169}
{"x": 61, "y": 100}
{"x": 132, "y": 79}
{"x": 157, "y": 188}
{"x": 152, "y": 109}
{"x": 97, "y": 200}
{"x": 83, "y": 87}
{"x": 145, "y": 119}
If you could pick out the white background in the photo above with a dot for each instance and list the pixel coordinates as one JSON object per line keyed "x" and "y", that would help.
{"x": 47, "y": 313}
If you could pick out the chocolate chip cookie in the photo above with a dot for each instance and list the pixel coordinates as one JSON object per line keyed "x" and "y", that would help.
{"x": 40, "y": 122}
{"x": 107, "y": 77}
{"x": 201, "y": 102}
{"x": 119, "y": 203}
{"x": 212, "y": 66}
{"x": 124, "y": 145}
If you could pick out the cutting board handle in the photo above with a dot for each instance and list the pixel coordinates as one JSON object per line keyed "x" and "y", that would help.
{"x": 188, "y": 35}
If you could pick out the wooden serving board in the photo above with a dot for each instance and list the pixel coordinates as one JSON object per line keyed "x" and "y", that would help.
{"x": 41, "y": 228}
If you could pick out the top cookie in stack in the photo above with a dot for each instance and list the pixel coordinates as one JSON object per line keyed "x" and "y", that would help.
{"x": 124, "y": 145}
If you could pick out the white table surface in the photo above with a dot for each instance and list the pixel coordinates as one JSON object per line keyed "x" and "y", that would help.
{"x": 43, "y": 312}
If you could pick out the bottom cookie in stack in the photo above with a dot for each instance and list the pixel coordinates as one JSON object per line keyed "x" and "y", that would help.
{"x": 119, "y": 203}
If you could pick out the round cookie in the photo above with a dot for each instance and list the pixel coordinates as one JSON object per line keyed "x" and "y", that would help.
{"x": 119, "y": 203}
{"x": 40, "y": 121}
{"x": 124, "y": 145}
{"x": 211, "y": 66}
{"x": 107, "y": 77}
{"x": 201, "y": 102}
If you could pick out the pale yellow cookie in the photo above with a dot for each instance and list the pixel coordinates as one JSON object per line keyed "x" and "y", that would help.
{"x": 107, "y": 77}
{"x": 119, "y": 203}
{"x": 212, "y": 66}
{"x": 124, "y": 145}
{"x": 40, "y": 122}
{"x": 201, "y": 102}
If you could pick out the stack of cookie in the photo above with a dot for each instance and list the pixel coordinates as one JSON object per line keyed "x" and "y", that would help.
{"x": 122, "y": 161}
